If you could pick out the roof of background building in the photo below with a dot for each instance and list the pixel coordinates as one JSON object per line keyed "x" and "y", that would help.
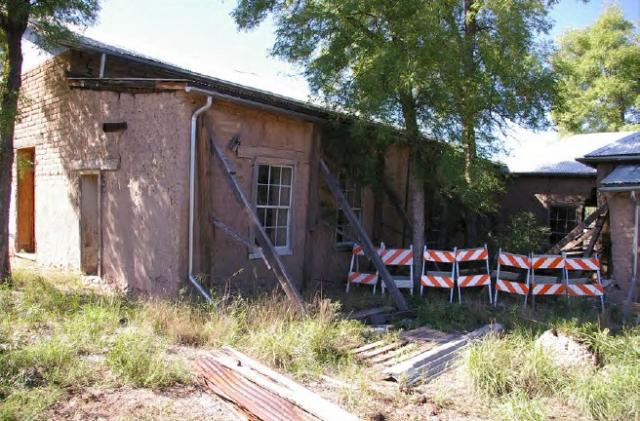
{"x": 622, "y": 177}
{"x": 557, "y": 156}
{"x": 624, "y": 147}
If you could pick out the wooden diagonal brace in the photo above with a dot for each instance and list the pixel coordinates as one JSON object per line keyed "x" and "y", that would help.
{"x": 239, "y": 238}
{"x": 577, "y": 230}
{"x": 262, "y": 238}
{"x": 363, "y": 238}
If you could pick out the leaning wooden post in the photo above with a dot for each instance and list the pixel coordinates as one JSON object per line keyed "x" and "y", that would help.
{"x": 363, "y": 238}
{"x": 262, "y": 238}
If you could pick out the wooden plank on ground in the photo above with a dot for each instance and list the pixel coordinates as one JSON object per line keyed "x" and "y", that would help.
{"x": 363, "y": 238}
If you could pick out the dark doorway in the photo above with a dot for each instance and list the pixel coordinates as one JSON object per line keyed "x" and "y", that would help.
{"x": 90, "y": 223}
{"x": 25, "y": 223}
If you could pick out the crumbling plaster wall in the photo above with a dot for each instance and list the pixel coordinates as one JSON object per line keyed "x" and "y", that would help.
{"x": 144, "y": 202}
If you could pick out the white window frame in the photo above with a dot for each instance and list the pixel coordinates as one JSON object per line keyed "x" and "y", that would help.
{"x": 288, "y": 248}
{"x": 348, "y": 186}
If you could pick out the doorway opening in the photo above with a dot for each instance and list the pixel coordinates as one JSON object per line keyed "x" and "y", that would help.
{"x": 90, "y": 242}
{"x": 25, "y": 221}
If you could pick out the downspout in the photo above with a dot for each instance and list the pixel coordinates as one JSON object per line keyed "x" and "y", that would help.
{"x": 634, "y": 259}
{"x": 192, "y": 188}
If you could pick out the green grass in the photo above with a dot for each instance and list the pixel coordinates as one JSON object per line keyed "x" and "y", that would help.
{"x": 516, "y": 374}
{"x": 139, "y": 360}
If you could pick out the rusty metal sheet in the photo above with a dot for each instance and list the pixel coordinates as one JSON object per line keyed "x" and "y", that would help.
{"x": 250, "y": 399}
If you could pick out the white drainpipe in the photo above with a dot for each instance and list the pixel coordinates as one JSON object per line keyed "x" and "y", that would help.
{"x": 192, "y": 189}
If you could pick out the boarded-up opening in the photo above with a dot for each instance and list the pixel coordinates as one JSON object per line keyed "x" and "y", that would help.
{"x": 90, "y": 223}
{"x": 26, "y": 235}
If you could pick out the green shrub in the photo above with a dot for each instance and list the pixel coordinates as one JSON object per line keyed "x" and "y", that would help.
{"x": 28, "y": 404}
{"x": 522, "y": 408}
{"x": 523, "y": 234}
{"x": 138, "y": 359}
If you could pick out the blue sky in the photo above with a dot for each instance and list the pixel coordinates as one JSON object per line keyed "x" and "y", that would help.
{"x": 201, "y": 36}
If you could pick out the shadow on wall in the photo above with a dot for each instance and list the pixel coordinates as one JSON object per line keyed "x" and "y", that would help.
{"x": 143, "y": 202}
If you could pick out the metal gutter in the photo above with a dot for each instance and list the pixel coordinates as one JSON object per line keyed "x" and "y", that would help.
{"x": 610, "y": 158}
{"x": 192, "y": 188}
{"x": 617, "y": 189}
{"x": 254, "y": 104}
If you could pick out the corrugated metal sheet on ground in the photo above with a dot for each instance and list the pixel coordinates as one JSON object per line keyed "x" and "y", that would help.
{"x": 382, "y": 355}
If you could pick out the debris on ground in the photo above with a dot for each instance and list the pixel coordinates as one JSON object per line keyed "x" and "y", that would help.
{"x": 564, "y": 351}
{"x": 418, "y": 355}
{"x": 254, "y": 391}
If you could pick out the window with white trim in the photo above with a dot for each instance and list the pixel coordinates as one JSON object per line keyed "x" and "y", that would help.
{"x": 273, "y": 203}
{"x": 353, "y": 194}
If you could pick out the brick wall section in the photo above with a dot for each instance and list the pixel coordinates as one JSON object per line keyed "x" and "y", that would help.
{"x": 144, "y": 203}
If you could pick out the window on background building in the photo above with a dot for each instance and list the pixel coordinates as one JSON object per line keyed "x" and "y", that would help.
{"x": 273, "y": 203}
{"x": 562, "y": 219}
{"x": 353, "y": 193}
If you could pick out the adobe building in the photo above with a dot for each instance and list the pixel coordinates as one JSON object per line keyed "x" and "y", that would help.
{"x": 112, "y": 151}
{"x": 618, "y": 177}
{"x": 545, "y": 179}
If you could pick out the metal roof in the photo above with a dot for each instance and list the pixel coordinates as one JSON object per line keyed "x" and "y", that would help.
{"x": 624, "y": 147}
{"x": 82, "y": 43}
{"x": 556, "y": 156}
{"x": 623, "y": 177}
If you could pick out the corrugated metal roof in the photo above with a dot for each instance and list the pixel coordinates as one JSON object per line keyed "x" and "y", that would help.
{"x": 622, "y": 176}
{"x": 629, "y": 144}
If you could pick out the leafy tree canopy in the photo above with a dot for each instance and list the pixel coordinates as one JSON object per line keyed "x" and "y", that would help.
{"x": 599, "y": 76}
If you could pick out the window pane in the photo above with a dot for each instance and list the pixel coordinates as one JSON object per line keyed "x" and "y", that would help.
{"x": 286, "y": 176}
{"x": 263, "y": 174}
{"x": 270, "y": 219}
{"x": 282, "y": 217}
{"x": 261, "y": 214}
{"x": 270, "y": 233}
{"x": 262, "y": 195}
{"x": 275, "y": 176}
{"x": 281, "y": 237}
{"x": 274, "y": 191}
{"x": 285, "y": 196}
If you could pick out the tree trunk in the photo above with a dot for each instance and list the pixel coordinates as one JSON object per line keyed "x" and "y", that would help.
{"x": 13, "y": 23}
{"x": 416, "y": 184}
{"x": 469, "y": 145}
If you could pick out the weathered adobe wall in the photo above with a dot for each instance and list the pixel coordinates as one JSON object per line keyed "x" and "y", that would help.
{"x": 265, "y": 138}
{"x": 328, "y": 263}
{"x": 536, "y": 194}
{"x": 144, "y": 203}
{"x": 621, "y": 226}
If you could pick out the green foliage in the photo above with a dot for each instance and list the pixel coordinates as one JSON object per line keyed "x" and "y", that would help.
{"x": 387, "y": 60}
{"x": 480, "y": 193}
{"x": 523, "y": 234}
{"x": 139, "y": 360}
{"x": 598, "y": 69}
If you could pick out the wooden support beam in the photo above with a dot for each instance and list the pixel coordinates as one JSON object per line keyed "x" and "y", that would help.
{"x": 363, "y": 239}
{"x": 262, "y": 238}
{"x": 602, "y": 219}
{"x": 239, "y": 238}
{"x": 557, "y": 248}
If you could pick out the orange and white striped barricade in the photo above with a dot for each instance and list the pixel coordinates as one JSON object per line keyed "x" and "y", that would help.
{"x": 399, "y": 258}
{"x": 547, "y": 285}
{"x": 508, "y": 281}
{"x": 584, "y": 286}
{"x": 475, "y": 277}
{"x": 437, "y": 278}
{"x": 355, "y": 276}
